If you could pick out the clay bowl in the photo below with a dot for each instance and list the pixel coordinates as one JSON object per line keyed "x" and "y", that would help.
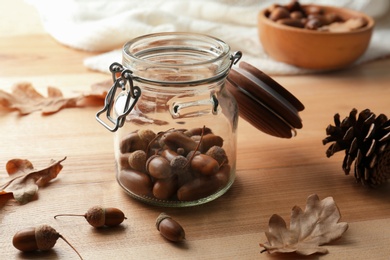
{"x": 314, "y": 49}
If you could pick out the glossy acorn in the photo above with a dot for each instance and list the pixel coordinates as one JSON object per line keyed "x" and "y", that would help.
{"x": 98, "y": 216}
{"x": 40, "y": 238}
{"x": 169, "y": 228}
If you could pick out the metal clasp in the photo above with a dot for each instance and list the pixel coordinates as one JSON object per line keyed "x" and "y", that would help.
{"x": 129, "y": 97}
{"x": 235, "y": 58}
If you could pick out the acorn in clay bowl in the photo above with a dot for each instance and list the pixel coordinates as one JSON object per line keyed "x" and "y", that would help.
{"x": 314, "y": 36}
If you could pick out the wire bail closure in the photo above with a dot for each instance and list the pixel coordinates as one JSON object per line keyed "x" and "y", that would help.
{"x": 235, "y": 58}
{"x": 131, "y": 97}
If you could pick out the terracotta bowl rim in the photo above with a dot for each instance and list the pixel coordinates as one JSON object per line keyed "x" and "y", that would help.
{"x": 370, "y": 21}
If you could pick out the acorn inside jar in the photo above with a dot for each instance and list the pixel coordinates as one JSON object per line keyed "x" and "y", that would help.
{"x": 174, "y": 120}
{"x": 176, "y": 165}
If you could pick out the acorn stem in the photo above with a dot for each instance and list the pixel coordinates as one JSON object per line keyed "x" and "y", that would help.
{"x": 66, "y": 241}
{"x": 197, "y": 147}
{"x": 69, "y": 215}
{"x": 154, "y": 139}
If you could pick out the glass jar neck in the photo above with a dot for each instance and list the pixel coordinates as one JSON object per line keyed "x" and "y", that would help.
{"x": 177, "y": 59}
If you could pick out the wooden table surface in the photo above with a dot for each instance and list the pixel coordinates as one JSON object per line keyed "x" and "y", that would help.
{"x": 273, "y": 174}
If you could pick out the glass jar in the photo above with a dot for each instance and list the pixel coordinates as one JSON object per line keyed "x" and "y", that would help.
{"x": 175, "y": 123}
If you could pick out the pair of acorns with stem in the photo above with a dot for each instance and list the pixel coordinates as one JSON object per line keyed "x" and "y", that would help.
{"x": 44, "y": 237}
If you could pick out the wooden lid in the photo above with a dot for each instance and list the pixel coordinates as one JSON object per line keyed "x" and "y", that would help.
{"x": 263, "y": 102}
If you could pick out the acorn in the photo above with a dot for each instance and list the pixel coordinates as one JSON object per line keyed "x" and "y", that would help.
{"x": 98, "y": 216}
{"x": 41, "y": 238}
{"x": 169, "y": 228}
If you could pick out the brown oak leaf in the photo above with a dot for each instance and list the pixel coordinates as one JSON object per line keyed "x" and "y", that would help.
{"x": 26, "y": 180}
{"x": 26, "y": 99}
{"x": 309, "y": 229}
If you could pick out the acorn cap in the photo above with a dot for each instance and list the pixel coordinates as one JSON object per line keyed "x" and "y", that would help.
{"x": 263, "y": 102}
{"x": 160, "y": 218}
{"x": 96, "y": 216}
{"x": 46, "y": 237}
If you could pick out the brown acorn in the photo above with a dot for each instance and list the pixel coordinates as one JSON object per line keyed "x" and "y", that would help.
{"x": 170, "y": 228}
{"x": 40, "y": 238}
{"x": 98, "y": 216}
{"x": 366, "y": 141}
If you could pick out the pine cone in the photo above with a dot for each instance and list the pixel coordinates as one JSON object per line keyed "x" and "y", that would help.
{"x": 366, "y": 141}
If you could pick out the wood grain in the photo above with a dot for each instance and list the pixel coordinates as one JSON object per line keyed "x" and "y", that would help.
{"x": 273, "y": 174}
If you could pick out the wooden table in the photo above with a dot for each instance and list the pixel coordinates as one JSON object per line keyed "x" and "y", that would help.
{"x": 273, "y": 174}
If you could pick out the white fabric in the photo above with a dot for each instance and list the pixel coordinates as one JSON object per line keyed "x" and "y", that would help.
{"x": 103, "y": 25}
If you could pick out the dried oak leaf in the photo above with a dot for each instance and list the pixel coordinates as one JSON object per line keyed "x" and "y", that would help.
{"x": 97, "y": 94}
{"x": 26, "y": 180}
{"x": 26, "y": 99}
{"x": 309, "y": 229}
